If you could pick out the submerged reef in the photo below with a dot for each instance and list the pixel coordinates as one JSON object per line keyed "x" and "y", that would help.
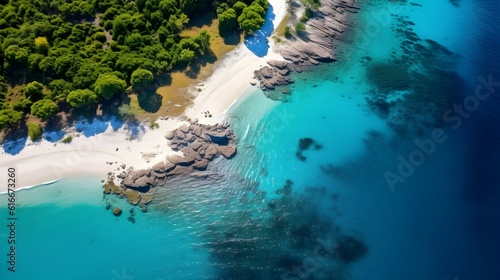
{"x": 292, "y": 237}
{"x": 304, "y": 145}
{"x": 415, "y": 87}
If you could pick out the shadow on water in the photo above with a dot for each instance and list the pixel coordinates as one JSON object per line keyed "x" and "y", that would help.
{"x": 258, "y": 43}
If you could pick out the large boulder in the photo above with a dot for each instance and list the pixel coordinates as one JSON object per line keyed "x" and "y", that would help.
{"x": 190, "y": 137}
{"x": 146, "y": 198}
{"x": 227, "y": 151}
{"x": 169, "y": 165}
{"x": 179, "y": 134}
{"x": 180, "y": 170}
{"x": 190, "y": 154}
{"x": 184, "y": 128}
{"x": 158, "y": 176}
{"x": 133, "y": 197}
{"x": 197, "y": 130}
{"x": 211, "y": 152}
{"x": 159, "y": 167}
{"x": 117, "y": 211}
{"x": 180, "y": 160}
{"x": 200, "y": 165}
{"x": 170, "y": 135}
{"x": 196, "y": 145}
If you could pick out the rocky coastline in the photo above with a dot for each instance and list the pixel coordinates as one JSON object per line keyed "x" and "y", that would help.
{"x": 196, "y": 146}
{"x": 317, "y": 44}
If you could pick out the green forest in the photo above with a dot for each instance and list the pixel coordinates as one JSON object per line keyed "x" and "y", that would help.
{"x": 64, "y": 55}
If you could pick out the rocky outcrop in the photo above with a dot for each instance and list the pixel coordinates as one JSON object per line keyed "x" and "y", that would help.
{"x": 197, "y": 145}
{"x": 272, "y": 76}
{"x": 317, "y": 44}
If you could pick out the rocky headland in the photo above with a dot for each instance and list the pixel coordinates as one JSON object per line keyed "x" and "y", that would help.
{"x": 324, "y": 31}
{"x": 196, "y": 145}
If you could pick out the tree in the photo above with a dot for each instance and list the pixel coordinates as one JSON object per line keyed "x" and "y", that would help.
{"x": 22, "y": 105}
{"x": 34, "y": 60}
{"x": 203, "y": 40}
{"x": 120, "y": 25}
{"x": 34, "y": 131}
{"x": 108, "y": 85}
{"x": 186, "y": 56}
{"x": 9, "y": 117}
{"x": 42, "y": 45}
{"x": 239, "y": 7}
{"x": 141, "y": 78}
{"x": 59, "y": 89}
{"x": 81, "y": 98}
{"x": 125, "y": 111}
{"x": 251, "y": 18}
{"x": 250, "y": 21}
{"x": 88, "y": 73}
{"x": 228, "y": 21}
{"x": 34, "y": 90}
{"x": 44, "y": 109}
{"x": 134, "y": 41}
{"x": 300, "y": 27}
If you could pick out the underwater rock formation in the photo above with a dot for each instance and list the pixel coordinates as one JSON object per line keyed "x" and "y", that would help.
{"x": 279, "y": 238}
{"x": 414, "y": 88}
{"x": 304, "y": 145}
{"x": 117, "y": 211}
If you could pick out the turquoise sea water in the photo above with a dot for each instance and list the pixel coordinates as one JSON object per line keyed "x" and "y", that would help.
{"x": 271, "y": 214}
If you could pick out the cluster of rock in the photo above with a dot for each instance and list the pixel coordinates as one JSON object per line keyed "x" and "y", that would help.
{"x": 315, "y": 45}
{"x": 276, "y": 74}
{"x": 199, "y": 144}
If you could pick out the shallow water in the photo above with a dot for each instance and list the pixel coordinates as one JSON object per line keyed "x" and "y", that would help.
{"x": 326, "y": 211}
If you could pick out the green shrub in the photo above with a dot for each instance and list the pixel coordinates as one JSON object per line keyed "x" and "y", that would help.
{"x": 34, "y": 131}
{"x": 288, "y": 31}
{"x": 67, "y": 140}
{"x": 300, "y": 27}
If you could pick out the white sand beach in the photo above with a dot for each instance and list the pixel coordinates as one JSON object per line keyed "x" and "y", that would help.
{"x": 232, "y": 76}
{"x": 98, "y": 155}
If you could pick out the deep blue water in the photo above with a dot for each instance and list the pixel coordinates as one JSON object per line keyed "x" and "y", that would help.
{"x": 329, "y": 211}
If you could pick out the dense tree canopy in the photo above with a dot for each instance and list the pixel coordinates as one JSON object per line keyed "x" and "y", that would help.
{"x": 109, "y": 85}
{"x": 9, "y": 117}
{"x": 34, "y": 131}
{"x": 34, "y": 90}
{"x": 44, "y": 109}
{"x": 227, "y": 21}
{"x": 248, "y": 17}
{"x": 81, "y": 98}
{"x": 141, "y": 78}
{"x": 83, "y": 52}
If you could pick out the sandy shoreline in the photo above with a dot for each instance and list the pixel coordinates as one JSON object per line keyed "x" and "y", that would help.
{"x": 43, "y": 162}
